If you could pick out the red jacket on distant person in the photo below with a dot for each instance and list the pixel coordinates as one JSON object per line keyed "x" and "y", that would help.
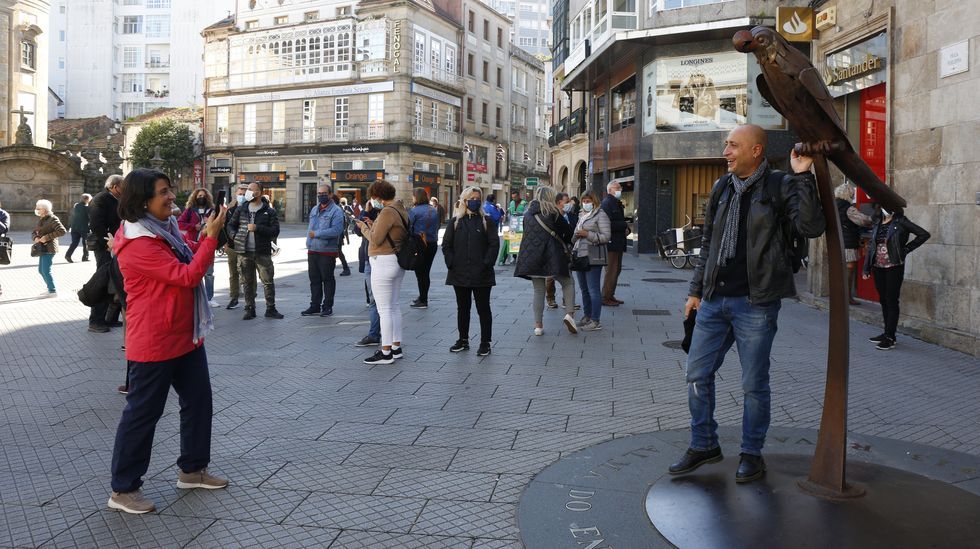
{"x": 159, "y": 292}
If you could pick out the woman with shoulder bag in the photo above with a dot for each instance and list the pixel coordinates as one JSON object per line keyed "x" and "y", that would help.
{"x": 470, "y": 248}
{"x": 167, "y": 317}
{"x": 46, "y": 234}
{"x": 544, "y": 253}
{"x": 385, "y": 236}
{"x": 589, "y": 242}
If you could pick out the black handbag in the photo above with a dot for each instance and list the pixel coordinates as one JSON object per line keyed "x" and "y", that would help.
{"x": 6, "y": 250}
{"x": 38, "y": 249}
{"x": 580, "y": 263}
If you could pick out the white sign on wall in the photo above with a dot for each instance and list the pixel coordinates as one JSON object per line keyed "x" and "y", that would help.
{"x": 954, "y": 59}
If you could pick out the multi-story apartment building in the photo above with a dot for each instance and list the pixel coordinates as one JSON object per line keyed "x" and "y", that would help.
{"x": 301, "y": 92}
{"x": 121, "y": 58}
{"x": 567, "y": 138}
{"x": 665, "y": 86}
{"x": 531, "y": 29}
{"x": 24, "y": 33}
{"x": 528, "y": 120}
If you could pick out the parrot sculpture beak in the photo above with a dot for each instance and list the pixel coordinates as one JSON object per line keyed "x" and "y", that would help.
{"x": 744, "y": 41}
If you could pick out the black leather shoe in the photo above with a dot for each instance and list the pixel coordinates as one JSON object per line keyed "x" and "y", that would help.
{"x": 249, "y": 314}
{"x": 750, "y": 468}
{"x": 312, "y": 311}
{"x": 271, "y": 312}
{"x": 692, "y": 459}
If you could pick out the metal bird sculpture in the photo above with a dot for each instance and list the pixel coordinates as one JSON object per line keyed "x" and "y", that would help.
{"x": 791, "y": 84}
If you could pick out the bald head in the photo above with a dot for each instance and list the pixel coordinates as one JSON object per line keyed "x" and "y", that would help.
{"x": 745, "y": 149}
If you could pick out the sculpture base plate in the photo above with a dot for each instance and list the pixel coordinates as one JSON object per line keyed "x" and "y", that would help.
{"x": 916, "y": 496}
{"x": 898, "y": 509}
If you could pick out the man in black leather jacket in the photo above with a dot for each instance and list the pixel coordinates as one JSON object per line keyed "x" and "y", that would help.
{"x": 744, "y": 271}
{"x": 103, "y": 220}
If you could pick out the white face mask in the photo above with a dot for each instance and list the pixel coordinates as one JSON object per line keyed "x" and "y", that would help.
{"x": 617, "y": 194}
{"x": 37, "y": 213}
{"x": 249, "y": 195}
{"x": 376, "y": 204}
{"x": 567, "y": 207}
{"x": 587, "y": 206}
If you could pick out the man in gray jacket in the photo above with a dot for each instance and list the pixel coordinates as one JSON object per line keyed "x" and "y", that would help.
{"x": 744, "y": 270}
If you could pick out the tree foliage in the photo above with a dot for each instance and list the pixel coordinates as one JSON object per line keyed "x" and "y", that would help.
{"x": 175, "y": 141}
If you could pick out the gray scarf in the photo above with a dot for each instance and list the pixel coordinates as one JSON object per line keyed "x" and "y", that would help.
{"x": 729, "y": 239}
{"x": 170, "y": 233}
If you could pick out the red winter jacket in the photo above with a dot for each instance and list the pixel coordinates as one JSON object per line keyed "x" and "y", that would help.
{"x": 159, "y": 292}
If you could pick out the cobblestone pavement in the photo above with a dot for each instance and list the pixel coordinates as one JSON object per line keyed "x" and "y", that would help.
{"x": 432, "y": 451}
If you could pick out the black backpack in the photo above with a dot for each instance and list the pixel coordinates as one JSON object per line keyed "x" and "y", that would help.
{"x": 797, "y": 246}
{"x": 409, "y": 254}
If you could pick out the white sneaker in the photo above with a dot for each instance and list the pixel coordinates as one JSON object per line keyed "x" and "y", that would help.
{"x": 570, "y": 324}
{"x": 48, "y": 295}
{"x": 214, "y": 304}
{"x": 538, "y": 331}
{"x": 583, "y": 321}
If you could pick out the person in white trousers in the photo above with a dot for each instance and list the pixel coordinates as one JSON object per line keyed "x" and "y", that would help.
{"x": 385, "y": 235}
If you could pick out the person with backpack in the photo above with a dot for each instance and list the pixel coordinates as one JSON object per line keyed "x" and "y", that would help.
{"x": 469, "y": 247}
{"x": 343, "y": 238}
{"x": 423, "y": 218}
{"x": 386, "y": 236}
{"x": 743, "y": 272}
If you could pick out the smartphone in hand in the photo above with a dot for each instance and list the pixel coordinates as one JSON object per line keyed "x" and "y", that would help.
{"x": 220, "y": 200}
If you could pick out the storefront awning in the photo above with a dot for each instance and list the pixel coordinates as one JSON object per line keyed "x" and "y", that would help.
{"x": 587, "y": 75}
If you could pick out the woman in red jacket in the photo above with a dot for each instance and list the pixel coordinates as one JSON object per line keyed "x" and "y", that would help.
{"x": 167, "y": 317}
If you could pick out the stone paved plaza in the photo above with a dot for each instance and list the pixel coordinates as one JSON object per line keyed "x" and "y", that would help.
{"x": 433, "y": 451}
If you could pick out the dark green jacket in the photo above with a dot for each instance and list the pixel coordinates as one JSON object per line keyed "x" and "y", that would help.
{"x": 79, "y": 218}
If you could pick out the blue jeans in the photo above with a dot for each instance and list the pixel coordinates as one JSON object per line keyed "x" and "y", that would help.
{"x": 374, "y": 332}
{"x": 209, "y": 282}
{"x": 44, "y": 267}
{"x": 722, "y": 321}
{"x": 589, "y": 282}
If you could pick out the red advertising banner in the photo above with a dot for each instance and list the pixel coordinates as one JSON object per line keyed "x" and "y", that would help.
{"x": 471, "y": 176}
{"x": 474, "y": 167}
{"x": 198, "y": 173}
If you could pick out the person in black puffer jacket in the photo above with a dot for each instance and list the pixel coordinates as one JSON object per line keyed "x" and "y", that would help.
{"x": 544, "y": 253}
{"x": 255, "y": 227}
{"x": 470, "y": 246}
{"x": 851, "y": 223}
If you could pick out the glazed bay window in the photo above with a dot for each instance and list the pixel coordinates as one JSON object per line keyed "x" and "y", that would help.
{"x": 132, "y": 83}
{"x": 376, "y": 116}
{"x": 249, "y": 124}
{"x": 157, "y": 26}
{"x": 132, "y": 57}
{"x": 221, "y": 125}
{"x": 291, "y": 55}
{"x": 450, "y": 120}
{"x": 158, "y": 4}
{"x": 341, "y": 118}
{"x": 28, "y": 55}
{"x": 674, "y": 4}
{"x": 309, "y": 120}
{"x": 132, "y": 24}
{"x": 418, "y": 111}
{"x": 600, "y": 117}
{"x": 279, "y": 122}
{"x": 624, "y": 104}
{"x": 434, "y": 116}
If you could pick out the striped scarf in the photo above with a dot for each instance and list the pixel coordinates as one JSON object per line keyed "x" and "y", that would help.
{"x": 729, "y": 239}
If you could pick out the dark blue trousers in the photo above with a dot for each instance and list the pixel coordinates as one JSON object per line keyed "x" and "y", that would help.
{"x": 149, "y": 385}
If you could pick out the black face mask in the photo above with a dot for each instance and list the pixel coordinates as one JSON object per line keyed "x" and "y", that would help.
{"x": 202, "y": 202}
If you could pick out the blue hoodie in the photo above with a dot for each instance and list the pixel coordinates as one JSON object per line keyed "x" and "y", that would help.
{"x": 327, "y": 225}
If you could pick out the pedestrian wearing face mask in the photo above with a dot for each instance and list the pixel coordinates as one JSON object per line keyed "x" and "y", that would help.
{"x": 255, "y": 226}
{"x": 617, "y": 244}
{"x": 564, "y": 205}
{"x": 323, "y": 241}
{"x": 46, "y": 234}
{"x": 385, "y": 235}
{"x": 227, "y": 240}
{"x": 469, "y": 246}
{"x": 424, "y": 220}
{"x": 592, "y": 231}
{"x": 191, "y": 222}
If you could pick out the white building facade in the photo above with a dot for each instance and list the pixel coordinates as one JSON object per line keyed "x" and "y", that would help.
{"x": 122, "y": 58}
